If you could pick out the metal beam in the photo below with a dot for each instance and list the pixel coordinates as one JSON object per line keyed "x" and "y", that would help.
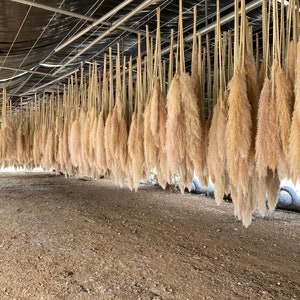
{"x": 33, "y": 90}
{"x": 28, "y": 71}
{"x": 81, "y": 17}
{"x": 114, "y": 26}
{"x": 96, "y": 23}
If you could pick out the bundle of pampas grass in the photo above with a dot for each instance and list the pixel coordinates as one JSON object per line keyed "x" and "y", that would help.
{"x": 74, "y": 141}
{"x": 283, "y": 102}
{"x": 174, "y": 127}
{"x": 294, "y": 142}
{"x": 100, "y": 155}
{"x": 239, "y": 124}
{"x": 261, "y": 145}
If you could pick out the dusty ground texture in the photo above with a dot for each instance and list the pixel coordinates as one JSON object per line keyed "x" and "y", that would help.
{"x": 73, "y": 239}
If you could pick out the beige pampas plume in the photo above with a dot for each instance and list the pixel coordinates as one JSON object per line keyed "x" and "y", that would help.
{"x": 260, "y": 190}
{"x": 74, "y": 143}
{"x": 100, "y": 145}
{"x": 139, "y": 158}
{"x": 131, "y": 144}
{"x": 107, "y": 135}
{"x": 294, "y": 143}
{"x": 273, "y": 138}
{"x": 263, "y": 127}
{"x": 253, "y": 94}
{"x": 81, "y": 155}
{"x": 194, "y": 134}
{"x": 212, "y": 153}
{"x": 150, "y": 148}
{"x": 154, "y": 110}
{"x": 291, "y": 62}
{"x": 273, "y": 186}
{"x": 238, "y": 129}
{"x": 48, "y": 158}
{"x": 20, "y": 137}
{"x": 174, "y": 126}
{"x": 123, "y": 138}
{"x": 283, "y": 98}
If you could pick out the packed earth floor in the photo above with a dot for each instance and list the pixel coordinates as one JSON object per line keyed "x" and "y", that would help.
{"x": 76, "y": 239}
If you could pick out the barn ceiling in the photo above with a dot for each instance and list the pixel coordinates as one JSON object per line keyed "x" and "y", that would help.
{"x": 31, "y": 33}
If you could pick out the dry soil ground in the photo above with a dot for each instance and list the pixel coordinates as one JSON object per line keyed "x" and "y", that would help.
{"x": 73, "y": 239}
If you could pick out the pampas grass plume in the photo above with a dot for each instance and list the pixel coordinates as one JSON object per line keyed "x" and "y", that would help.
{"x": 174, "y": 126}
{"x": 262, "y": 126}
{"x": 283, "y": 98}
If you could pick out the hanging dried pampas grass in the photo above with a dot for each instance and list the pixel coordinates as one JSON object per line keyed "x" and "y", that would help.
{"x": 294, "y": 145}
{"x": 263, "y": 126}
{"x": 273, "y": 186}
{"x": 75, "y": 143}
{"x": 193, "y": 130}
{"x": 291, "y": 62}
{"x": 48, "y": 158}
{"x": 238, "y": 129}
{"x": 283, "y": 98}
{"x": 107, "y": 142}
{"x": 100, "y": 145}
{"x": 174, "y": 144}
{"x": 151, "y": 151}
{"x": 20, "y": 144}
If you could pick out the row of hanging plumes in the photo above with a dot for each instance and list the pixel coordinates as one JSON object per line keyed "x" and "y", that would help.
{"x": 126, "y": 126}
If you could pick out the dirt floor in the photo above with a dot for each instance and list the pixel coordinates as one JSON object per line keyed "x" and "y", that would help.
{"x": 74, "y": 239}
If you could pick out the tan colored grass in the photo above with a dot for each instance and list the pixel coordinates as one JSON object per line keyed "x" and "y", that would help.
{"x": 261, "y": 145}
{"x": 291, "y": 63}
{"x": 82, "y": 155}
{"x": 107, "y": 135}
{"x": 44, "y": 134}
{"x": 100, "y": 154}
{"x": 273, "y": 138}
{"x": 20, "y": 144}
{"x": 57, "y": 139}
{"x": 150, "y": 148}
{"x": 139, "y": 158}
{"x": 135, "y": 148}
{"x": 35, "y": 148}
{"x": 212, "y": 153}
{"x": 48, "y": 158}
{"x": 261, "y": 195}
{"x": 238, "y": 129}
{"x": 114, "y": 132}
{"x": 294, "y": 147}
{"x": 297, "y": 80}
{"x": 8, "y": 140}
{"x": 173, "y": 126}
{"x": 294, "y": 142}
{"x": 273, "y": 186}
{"x": 253, "y": 94}
{"x": 123, "y": 139}
{"x": 74, "y": 143}
{"x": 154, "y": 111}
{"x": 194, "y": 133}
{"x": 221, "y": 131}
{"x": 283, "y": 102}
